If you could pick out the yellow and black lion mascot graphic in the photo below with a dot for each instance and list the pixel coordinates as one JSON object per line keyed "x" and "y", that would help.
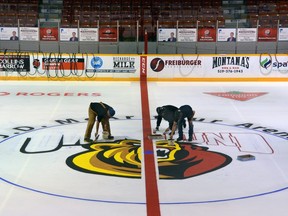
{"x": 123, "y": 158}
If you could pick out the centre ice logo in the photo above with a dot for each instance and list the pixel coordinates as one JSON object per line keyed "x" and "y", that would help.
{"x": 57, "y": 157}
{"x": 123, "y": 158}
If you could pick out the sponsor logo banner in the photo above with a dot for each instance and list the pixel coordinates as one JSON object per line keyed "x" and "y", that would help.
{"x": 15, "y": 63}
{"x": 63, "y": 63}
{"x": 187, "y": 35}
{"x": 29, "y": 33}
{"x": 88, "y": 34}
{"x": 206, "y": 35}
{"x": 112, "y": 64}
{"x": 49, "y": 34}
{"x": 108, "y": 35}
{"x": 246, "y": 34}
{"x": 283, "y": 34}
{"x": 267, "y": 34}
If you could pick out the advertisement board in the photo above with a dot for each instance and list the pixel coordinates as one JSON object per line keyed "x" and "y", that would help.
{"x": 154, "y": 67}
{"x": 88, "y": 34}
{"x": 49, "y": 34}
{"x": 167, "y": 34}
{"x": 187, "y": 35}
{"x": 69, "y": 34}
{"x": 227, "y": 34}
{"x": 283, "y": 34}
{"x": 267, "y": 34}
{"x": 9, "y": 33}
{"x": 206, "y": 35}
{"x": 29, "y": 33}
{"x": 246, "y": 34}
{"x": 108, "y": 35}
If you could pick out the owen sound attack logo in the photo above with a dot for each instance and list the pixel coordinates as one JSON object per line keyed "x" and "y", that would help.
{"x": 123, "y": 158}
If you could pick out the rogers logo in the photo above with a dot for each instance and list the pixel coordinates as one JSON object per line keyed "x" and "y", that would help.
{"x": 157, "y": 64}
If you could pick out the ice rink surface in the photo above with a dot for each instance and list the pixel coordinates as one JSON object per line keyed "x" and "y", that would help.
{"x": 47, "y": 169}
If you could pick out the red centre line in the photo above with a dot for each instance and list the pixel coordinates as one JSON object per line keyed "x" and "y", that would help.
{"x": 152, "y": 196}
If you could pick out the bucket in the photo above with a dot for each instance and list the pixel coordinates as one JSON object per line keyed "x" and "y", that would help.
{"x": 170, "y": 142}
{"x": 105, "y": 135}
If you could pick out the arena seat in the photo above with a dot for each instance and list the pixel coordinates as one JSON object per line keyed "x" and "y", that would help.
{"x": 90, "y": 13}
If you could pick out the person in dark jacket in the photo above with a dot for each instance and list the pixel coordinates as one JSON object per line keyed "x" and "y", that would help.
{"x": 167, "y": 113}
{"x": 103, "y": 112}
{"x": 183, "y": 112}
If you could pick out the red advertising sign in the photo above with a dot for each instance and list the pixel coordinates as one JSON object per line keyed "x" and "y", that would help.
{"x": 63, "y": 63}
{"x": 108, "y": 35}
{"x": 267, "y": 34}
{"x": 206, "y": 35}
{"x": 49, "y": 34}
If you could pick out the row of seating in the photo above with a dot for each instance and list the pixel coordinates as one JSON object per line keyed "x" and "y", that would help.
{"x": 23, "y": 13}
{"x": 148, "y": 13}
{"x": 143, "y": 2}
{"x": 19, "y": 1}
{"x": 267, "y": 13}
{"x": 22, "y": 22}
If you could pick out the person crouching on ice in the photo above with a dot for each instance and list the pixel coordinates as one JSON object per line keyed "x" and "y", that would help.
{"x": 103, "y": 112}
{"x": 183, "y": 112}
{"x": 166, "y": 112}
